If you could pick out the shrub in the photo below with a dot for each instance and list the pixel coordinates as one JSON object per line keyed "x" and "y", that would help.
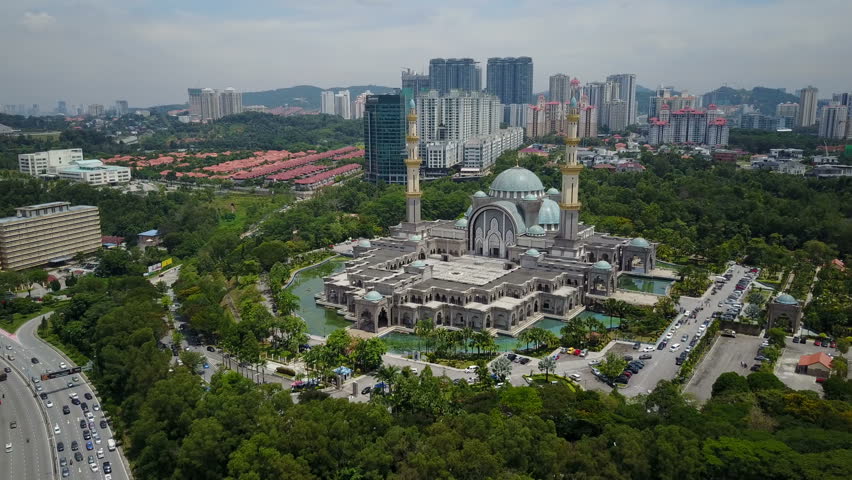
{"x": 286, "y": 371}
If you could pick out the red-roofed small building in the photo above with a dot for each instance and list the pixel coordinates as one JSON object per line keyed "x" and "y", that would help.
{"x": 816, "y": 364}
{"x": 605, "y": 166}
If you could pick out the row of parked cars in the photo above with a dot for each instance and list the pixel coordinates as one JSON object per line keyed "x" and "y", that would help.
{"x": 633, "y": 368}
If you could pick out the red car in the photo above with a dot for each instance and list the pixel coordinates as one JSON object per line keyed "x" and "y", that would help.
{"x": 817, "y": 343}
{"x": 833, "y": 345}
{"x": 627, "y": 373}
{"x": 577, "y": 352}
{"x": 821, "y": 380}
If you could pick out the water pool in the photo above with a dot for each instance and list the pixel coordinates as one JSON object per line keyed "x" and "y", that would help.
{"x": 656, "y": 286}
{"x": 321, "y": 321}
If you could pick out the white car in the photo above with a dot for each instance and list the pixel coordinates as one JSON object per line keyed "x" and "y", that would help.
{"x": 62, "y": 365}
{"x": 669, "y": 335}
{"x": 594, "y": 362}
{"x": 648, "y": 349}
{"x": 674, "y": 347}
{"x": 471, "y": 369}
{"x": 56, "y": 429}
{"x": 701, "y": 328}
{"x": 687, "y": 349}
{"x": 686, "y": 313}
{"x": 575, "y": 377}
{"x": 583, "y": 353}
{"x": 94, "y": 467}
{"x": 8, "y": 448}
{"x": 49, "y": 404}
{"x": 101, "y": 452}
{"x": 72, "y": 395}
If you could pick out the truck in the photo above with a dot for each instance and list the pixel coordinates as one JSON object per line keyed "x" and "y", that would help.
{"x": 729, "y": 333}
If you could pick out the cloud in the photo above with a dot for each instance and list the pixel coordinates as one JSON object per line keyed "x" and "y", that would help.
{"x": 37, "y": 21}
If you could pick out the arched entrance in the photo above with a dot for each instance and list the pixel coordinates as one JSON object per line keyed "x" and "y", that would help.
{"x": 383, "y": 319}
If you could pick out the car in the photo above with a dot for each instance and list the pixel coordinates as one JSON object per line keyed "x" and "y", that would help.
{"x": 701, "y": 328}
{"x": 97, "y": 437}
{"x": 107, "y": 477}
{"x": 34, "y": 360}
{"x": 583, "y": 353}
{"x": 48, "y": 403}
{"x": 803, "y": 340}
{"x": 210, "y": 349}
{"x": 96, "y": 407}
{"x": 62, "y": 365}
{"x": 35, "y": 379}
{"x": 78, "y": 456}
{"x": 764, "y": 344}
{"x": 365, "y": 391}
{"x": 107, "y": 467}
{"x": 817, "y": 342}
{"x": 755, "y": 367}
{"x": 669, "y": 335}
{"x": 628, "y": 358}
{"x": 649, "y": 348}
{"x": 82, "y": 424}
{"x": 627, "y": 373}
{"x": 833, "y": 344}
{"x": 87, "y": 435}
{"x": 761, "y": 358}
{"x": 524, "y": 360}
{"x": 646, "y": 356}
{"x": 90, "y": 459}
{"x": 84, "y": 406}
{"x": 622, "y": 379}
{"x": 65, "y": 409}
{"x": 7, "y": 369}
{"x": 88, "y": 395}
{"x": 575, "y": 377}
{"x": 821, "y": 380}
{"x": 13, "y": 424}
{"x": 679, "y": 360}
{"x": 90, "y": 445}
{"x": 39, "y": 388}
{"x": 75, "y": 446}
{"x": 471, "y": 369}
{"x": 674, "y": 347}
{"x": 8, "y": 448}
{"x": 661, "y": 346}
{"x": 63, "y": 461}
{"x": 60, "y": 447}
{"x": 94, "y": 467}
{"x": 103, "y": 423}
{"x": 637, "y": 346}
{"x": 90, "y": 415}
{"x": 686, "y": 313}
{"x": 684, "y": 338}
{"x": 43, "y": 396}
{"x": 688, "y": 349}
{"x": 56, "y": 429}
{"x": 100, "y": 453}
{"x": 594, "y": 362}
{"x": 65, "y": 472}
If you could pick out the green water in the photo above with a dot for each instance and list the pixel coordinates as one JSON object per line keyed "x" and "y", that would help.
{"x": 321, "y": 321}
{"x": 656, "y": 286}
{"x": 669, "y": 266}
{"x": 602, "y": 317}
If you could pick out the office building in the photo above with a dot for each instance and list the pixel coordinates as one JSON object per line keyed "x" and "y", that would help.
{"x": 343, "y": 104}
{"x": 327, "y": 102}
{"x": 454, "y": 74}
{"x": 560, "y": 88}
{"x": 48, "y": 233}
{"x": 49, "y": 162}
{"x": 194, "y": 102}
{"x": 384, "y": 138}
{"x": 230, "y": 102}
{"x": 96, "y": 110}
{"x": 121, "y": 107}
{"x": 61, "y": 107}
{"x": 787, "y": 113}
{"x": 511, "y": 79}
{"x": 627, "y": 93}
{"x": 807, "y": 106}
{"x": 832, "y": 123}
{"x": 94, "y": 172}
{"x": 415, "y": 81}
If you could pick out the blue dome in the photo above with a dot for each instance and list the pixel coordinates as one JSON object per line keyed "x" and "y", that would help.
{"x": 480, "y": 194}
{"x": 573, "y": 101}
{"x": 552, "y": 191}
{"x": 602, "y": 265}
{"x": 415, "y": 238}
{"x": 418, "y": 263}
{"x": 530, "y": 197}
{"x": 461, "y": 223}
{"x": 548, "y": 214}
{"x": 364, "y": 243}
{"x": 517, "y": 179}
{"x": 373, "y": 296}
{"x": 639, "y": 242}
{"x": 533, "y": 252}
{"x": 411, "y": 103}
{"x": 535, "y": 231}
{"x": 786, "y": 299}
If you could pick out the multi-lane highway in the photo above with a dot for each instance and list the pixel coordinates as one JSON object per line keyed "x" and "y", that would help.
{"x": 62, "y": 428}
{"x": 22, "y": 425}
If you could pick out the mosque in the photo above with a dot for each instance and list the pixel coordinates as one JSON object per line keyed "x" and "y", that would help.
{"x": 519, "y": 253}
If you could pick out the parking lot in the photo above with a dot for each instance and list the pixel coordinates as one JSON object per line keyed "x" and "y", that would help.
{"x": 726, "y": 355}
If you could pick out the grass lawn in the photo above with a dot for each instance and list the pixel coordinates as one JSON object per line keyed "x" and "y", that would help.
{"x": 247, "y": 208}
{"x": 13, "y": 324}
{"x": 70, "y": 351}
{"x": 539, "y": 379}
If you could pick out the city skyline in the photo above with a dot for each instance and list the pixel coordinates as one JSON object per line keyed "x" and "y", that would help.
{"x": 180, "y": 40}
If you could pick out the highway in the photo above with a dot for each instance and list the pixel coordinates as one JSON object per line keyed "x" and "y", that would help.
{"x": 26, "y": 346}
{"x": 28, "y": 460}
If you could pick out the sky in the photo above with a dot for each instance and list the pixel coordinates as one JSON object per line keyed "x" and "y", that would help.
{"x": 150, "y": 51}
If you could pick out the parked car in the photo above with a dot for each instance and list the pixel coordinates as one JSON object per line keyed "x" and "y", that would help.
{"x": 637, "y": 346}
{"x": 646, "y": 356}
{"x": 755, "y": 367}
{"x": 761, "y": 358}
{"x": 628, "y": 357}
{"x": 817, "y": 342}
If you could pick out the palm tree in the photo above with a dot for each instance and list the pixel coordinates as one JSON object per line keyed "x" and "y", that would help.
{"x": 466, "y": 334}
{"x": 526, "y": 337}
{"x": 610, "y": 306}
{"x": 483, "y": 340}
{"x": 388, "y": 374}
{"x": 547, "y": 365}
{"x": 424, "y": 329}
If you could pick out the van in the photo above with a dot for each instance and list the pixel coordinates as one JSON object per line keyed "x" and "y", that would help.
{"x": 111, "y": 445}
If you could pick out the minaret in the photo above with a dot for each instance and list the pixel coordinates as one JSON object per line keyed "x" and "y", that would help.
{"x": 570, "y": 202}
{"x": 412, "y": 167}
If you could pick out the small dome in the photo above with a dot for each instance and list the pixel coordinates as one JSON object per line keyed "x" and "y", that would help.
{"x": 552, "y": 191}
{"x": 517, "y": 179}
{"x": 548, "y": 214}
{"x": 530, "y": 197}
{"x": 418, "y": 263}
{"x": 415, "y": 238}
{"x": 480, "y": 194}
{"x": 786, "y": 299}
{"x": 364, "y": 243}
{"x": 373, "y": 296}
{"x": 532, "y": 252}
{"x": 461, "y": 223}
{"x": 573, "y": 101}
{"x": 639, "y": 242}
{"x": 535, "y": 231}
{"x": 468, "y": 211}
{"x": 602, "y": 265}
{"x": 411, "y": 103}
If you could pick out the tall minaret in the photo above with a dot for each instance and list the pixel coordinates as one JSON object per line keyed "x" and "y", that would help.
{"x": 412, "y": 167}
{"x": 570, "y": 202}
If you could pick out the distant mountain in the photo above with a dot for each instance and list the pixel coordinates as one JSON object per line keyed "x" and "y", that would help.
{"x": 643, "y": 98}
{"x": 763, "y": 98}
{"x": 305, "y": 96}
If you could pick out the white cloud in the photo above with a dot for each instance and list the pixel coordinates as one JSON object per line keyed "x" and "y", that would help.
{"x": 37, "y": 21}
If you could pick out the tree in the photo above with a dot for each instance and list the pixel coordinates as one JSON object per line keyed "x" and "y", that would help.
{"x": 729, "y": 382}
{"x": 843, "y": 345}
{"x": 423, "y": 329}
{"x": 368, "y": 353}
{"x": 612, "y": 366}
{"x": 777, "y": 337}
{"x": 839, "y": 367}
{"x": 753, "y": 311}
{"x": 55, "y": 286}
{"x": 467, "y": 334}
{"x": 547, "y": 365}
{"x": 388, "y": 374}
{"x": 192, "y": 360}
{"x": 502, "y": 367}
{"x": 287, "y": 302}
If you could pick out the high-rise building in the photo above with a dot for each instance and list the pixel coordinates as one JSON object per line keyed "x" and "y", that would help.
{"x": 690, "y": 126}
{"x": 617, "y": 112}
{"x": 511, "y": 79}
{"x": 359, "y": 105}
{"x": 454, "y": 74}
{"x": 515, "y": 115}
{"x": 627, "y": 92}
{"x": 415, "y": 81}
{"x": 121, "y": 107}
{"x": 61, "y": 107}
{"x": 343, "y": 104}
{"x": 231, "y": 102}
{"x": 49, "y": 232}
{"x": 96, "y": 110}
{"x": 194, "y": 102}
{"x": 807, "y": 106}
{"x": 832, "y": 123}
{"x": 787, "y": 114}
{"x": 210, "y": 105}
{"x": 663, "y": 95}
{"x": 327, "y": 102}
{"x": 384, "y": 138}
{"x": 560, "y": 88}
{"x": 845, "y": 99}
{"x": 588, "y": 126}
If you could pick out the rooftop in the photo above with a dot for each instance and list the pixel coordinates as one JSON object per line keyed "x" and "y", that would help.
{"x": 814, "y": 358}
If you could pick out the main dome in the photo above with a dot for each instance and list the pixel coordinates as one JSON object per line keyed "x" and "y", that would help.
{"x": 516, "y": 180}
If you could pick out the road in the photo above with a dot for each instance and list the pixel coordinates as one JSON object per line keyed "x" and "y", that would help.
{"x": 29, "y": 460}
{"x": 26, "y": 346}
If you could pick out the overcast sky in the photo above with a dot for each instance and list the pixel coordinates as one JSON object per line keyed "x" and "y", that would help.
{"x": 150, "y": 51}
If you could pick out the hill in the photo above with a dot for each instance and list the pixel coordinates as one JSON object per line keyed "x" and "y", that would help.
{"x": 305, "y": 96}
{"x": 643, "y": 99}
{"x": 763, "y": 98}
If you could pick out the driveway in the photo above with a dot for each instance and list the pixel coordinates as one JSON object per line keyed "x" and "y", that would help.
{"x": 726, "y": 355}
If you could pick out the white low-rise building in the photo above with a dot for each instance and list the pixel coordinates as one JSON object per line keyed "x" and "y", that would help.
{"x": 94, "y": 172}
{"x": 49, "y": 162}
